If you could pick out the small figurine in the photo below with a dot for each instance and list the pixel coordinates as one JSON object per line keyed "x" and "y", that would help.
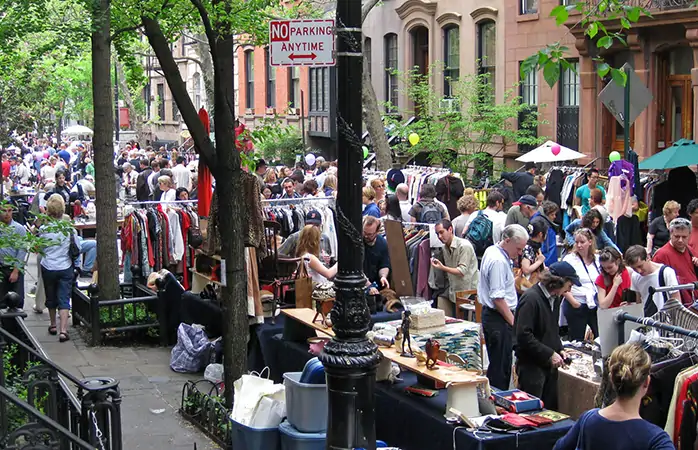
{"x": 432, "y": 350}
{"x": 398, "y": 339}
{"x": 421, "y": 357}
{"x": 405, "y": 328}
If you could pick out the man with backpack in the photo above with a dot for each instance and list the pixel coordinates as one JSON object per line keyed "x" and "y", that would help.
{"x": 427, "y": 209}
{"x": 484, "y": 228}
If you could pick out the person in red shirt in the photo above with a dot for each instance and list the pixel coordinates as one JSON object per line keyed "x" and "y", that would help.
{"x": 677, "y": 255}
{"x": 692, "y": 210}
{"x": 5, "y": 166}
{"x": 613, "y": 280}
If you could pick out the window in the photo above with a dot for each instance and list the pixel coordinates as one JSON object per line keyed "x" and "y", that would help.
{"x": 175, "y": 111}
{"x": 249, "y": 79}
{"x": 451, "y": 58}
{"x": 161, "y": 101}
{"x": 529, "y": 6}
{"x": 528, "y": 89}
{"x": 487, "y": 56}
{"x": 391, "y": 93}
{"x": 569, "y": 85}
{"x": 146, "y": 98}
{"x": 271, "y": 80}
{"x": 320, "y": 89}
{"x": 294, "y": 87}
{"x": 197, "y": 91}
{"x": 367, "y": 56}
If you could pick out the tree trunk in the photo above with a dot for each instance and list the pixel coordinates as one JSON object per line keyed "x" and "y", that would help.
{"x": 204, "y": 52}
{"x": 103, "y": 145}
{"x": 135, "y": 120}
{"x": 374, "y": 124}
{"x": 59, "y": 125}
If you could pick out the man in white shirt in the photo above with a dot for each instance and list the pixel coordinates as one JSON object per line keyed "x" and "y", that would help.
{"x": 645, "y": 275}
{"x": 496, "y": 292}
{"x": 403, "y": 192}
{"x": 495, "y": 204}
{"x": 181, "y": 175}
{"x": 21, "y": 171}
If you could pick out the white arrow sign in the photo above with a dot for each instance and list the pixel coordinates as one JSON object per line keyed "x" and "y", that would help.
{"x": 308, "y": 42}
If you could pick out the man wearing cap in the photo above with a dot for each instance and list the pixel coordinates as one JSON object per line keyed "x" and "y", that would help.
{"x": 260, "y": 170}
{"x": 521, "y": 180}
{"x": 520, "y": 212}
{"x": 537, "y": 340}
{"x": 312, "y": 217}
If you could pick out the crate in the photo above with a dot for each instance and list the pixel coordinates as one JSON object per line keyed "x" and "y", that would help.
{"x": 248, "y": 438}
{"x": 292, "y": 439}
{"x": 306, "y": 404}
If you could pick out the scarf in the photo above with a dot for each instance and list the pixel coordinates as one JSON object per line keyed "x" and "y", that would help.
{"x": 535, "y": 245}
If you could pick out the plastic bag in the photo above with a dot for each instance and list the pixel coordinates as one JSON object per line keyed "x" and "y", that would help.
{"x": 249, "y": 391}
{"x": 270, "y": 410}
{"x": 191, "y": 352}
{"x": 214, "y": 373}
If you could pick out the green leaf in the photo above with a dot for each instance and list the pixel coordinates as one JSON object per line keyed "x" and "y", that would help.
{"x": 605, "y": 42}
{"x": 561, "y": 14}
{"x": 556, "y": 10}
{"x": 619, "y": 76}
{"x": 551, "y": 73}
{"x": 624, "y": 22}
{"x": 593, "y": 29}
{"x": 527, "y": 65}
{"x": 603, "y": 69}
{"x": 634, "y": 14}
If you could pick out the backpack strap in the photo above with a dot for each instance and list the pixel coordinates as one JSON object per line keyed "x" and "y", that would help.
{"x": 662, "y": 282}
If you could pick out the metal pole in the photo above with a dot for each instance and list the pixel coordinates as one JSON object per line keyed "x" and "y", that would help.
{"x": 350, "y": 360}
{"x": 303, "y": 119}
{"x": 116, "y": 103}
{"x": 626, "y": 113}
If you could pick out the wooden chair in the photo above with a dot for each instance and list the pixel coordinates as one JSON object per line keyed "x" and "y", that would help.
{"x": 275, "y": 270}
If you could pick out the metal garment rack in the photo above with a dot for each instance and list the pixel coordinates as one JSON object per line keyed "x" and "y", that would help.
{"x": 181, "y": 202}
{"x": 680, "y": 287}
{"x": 295, "y": 201}
{"x": 622, "y": 317}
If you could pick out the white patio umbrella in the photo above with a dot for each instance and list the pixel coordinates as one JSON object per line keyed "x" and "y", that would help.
{"x": 544, "y": 154}
{"x": 77, "y": 130}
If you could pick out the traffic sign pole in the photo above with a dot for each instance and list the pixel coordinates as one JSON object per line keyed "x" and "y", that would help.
{"x": 626, "y": 113}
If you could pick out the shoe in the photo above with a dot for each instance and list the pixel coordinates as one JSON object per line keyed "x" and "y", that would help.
{"x": 38, "y": 311}
{"x": 85, "y": 273}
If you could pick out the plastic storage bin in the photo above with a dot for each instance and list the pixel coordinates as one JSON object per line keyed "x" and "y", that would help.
{"x": 313, "y": 372}
{"x": 292, "y": 439}
{"x": 306, "y": 404}
{"x": 247, "y": 438}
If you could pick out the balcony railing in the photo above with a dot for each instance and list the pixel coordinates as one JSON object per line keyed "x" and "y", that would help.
{"x": 37, "y": 407}
{"x": 652, "y": 5}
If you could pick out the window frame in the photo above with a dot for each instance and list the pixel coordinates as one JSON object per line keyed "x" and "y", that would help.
{"x": 570, "y": 85}
{"x": 294, "y": 92}
{"x": 160, "y": 90}
{"x": 367, "y": 55}
{"x": 249, "y": 79}
{"x": 322, "y": 88}
{"x": 489, "y": 69}
{"x": 528, "y": 87}
{"x": 391, "y": 64}
{"x": 450, "y": 71}
{"x": 528, "y": 7}
{"x": 270, "y": 87}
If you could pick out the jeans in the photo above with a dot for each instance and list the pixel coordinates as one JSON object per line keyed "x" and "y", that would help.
{"x": 578, "y": 319}
{"x": 88, "y": 247}
{"x": 498, "y": 338}
{"x": 58, "y": 285}
{"x": 6, "y": 286}
{"x": 540, "y": 382}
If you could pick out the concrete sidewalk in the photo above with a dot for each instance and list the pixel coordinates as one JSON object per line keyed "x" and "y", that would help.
{"x": 147, "y": 383}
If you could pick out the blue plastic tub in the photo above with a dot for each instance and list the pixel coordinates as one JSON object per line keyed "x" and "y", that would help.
{"x": 306, "y": 404}
{"x": 292, "y": 439}
{"x": 247, "y": 438}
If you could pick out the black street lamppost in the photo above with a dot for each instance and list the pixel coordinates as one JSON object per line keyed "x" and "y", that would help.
{"x": 350, "y": 360}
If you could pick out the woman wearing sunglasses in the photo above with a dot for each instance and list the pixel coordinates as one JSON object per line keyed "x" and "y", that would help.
{"x": 582, "y": 301}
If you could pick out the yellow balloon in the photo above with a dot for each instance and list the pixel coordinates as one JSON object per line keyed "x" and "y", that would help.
{"x": 413, "y": 138}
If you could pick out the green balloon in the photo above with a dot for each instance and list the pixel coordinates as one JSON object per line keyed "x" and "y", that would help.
{"x": 365, "y": 149}
{"x": 614, "y": 156}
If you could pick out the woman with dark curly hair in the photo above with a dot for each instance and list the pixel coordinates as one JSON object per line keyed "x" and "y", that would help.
{"x": 594, "y": 221}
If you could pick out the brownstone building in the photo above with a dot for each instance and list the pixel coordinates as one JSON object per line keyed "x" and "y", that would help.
{"x": 662, "y": 49}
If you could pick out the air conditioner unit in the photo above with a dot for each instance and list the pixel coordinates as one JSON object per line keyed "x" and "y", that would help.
{"x": 448, "y": 105}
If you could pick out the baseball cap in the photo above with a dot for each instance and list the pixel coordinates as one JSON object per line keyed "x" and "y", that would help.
{"x": 395, "y": 177}
{"x": 313, "y": 217}
{"x": 260, "y": 163}
{"x": 527, "y": 200}
{"x": 565, "y": 270}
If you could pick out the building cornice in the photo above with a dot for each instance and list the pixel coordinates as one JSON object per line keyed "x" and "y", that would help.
{"x": 484, "y": 12}
{"x": 448, "y": 17}
{"x": 413, "y": 6}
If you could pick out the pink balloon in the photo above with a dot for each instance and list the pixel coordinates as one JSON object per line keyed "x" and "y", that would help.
{"x": 46, "y": 154}
{"x": 555, "y": 148}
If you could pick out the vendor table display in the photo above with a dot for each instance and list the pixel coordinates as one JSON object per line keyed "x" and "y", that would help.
{"x": 577, "y": 385}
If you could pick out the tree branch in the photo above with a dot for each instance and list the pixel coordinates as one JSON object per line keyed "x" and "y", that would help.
{"x": 124, "y": 30}
{"x": 170, "y": 70}
{"x": 194, "y": 38}
{"x": 208, "y": 29}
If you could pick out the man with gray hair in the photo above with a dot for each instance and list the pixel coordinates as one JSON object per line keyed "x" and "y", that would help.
{"x": 403, "y": 195}
{"x": 678, "y": 256}
{"x": 496, "y": 292}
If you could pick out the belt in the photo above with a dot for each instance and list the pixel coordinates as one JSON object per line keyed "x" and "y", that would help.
{"x": 495, "y": 310}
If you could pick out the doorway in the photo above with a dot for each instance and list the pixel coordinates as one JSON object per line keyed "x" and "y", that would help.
{"x": 675, "y": 96}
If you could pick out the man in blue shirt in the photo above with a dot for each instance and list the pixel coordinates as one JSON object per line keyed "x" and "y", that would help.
{"x": 11, "y": 258}
{"x": 376, "y": 258}
{"x": 581, "y": 196}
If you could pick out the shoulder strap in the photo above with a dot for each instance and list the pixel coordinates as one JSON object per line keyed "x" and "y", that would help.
{"x": 662, "y": 282}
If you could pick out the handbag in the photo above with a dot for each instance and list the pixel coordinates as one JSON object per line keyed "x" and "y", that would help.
{"x": 74, "y": 248}
{"x": 582, "y": 422}
{"x": 522, "y": 282}
{"x": 303, "y": 286}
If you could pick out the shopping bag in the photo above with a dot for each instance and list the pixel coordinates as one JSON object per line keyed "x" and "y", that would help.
{"x": 191, "y": 353}
{"x": 249, "y": 390}
{"x": 304, "y": 287}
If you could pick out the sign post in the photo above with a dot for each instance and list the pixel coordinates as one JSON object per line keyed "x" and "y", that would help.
{"x": 306, "y": 42}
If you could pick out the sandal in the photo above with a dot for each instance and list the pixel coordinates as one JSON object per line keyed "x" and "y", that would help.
{"x": 63, "y": 337}
{"x": 52, "y": 330}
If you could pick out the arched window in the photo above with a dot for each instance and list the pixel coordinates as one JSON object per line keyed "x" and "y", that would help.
{"x": 391, "y": 92}
{"x": 486, "y": 52}
{"x": 451, "y": 58}
{"x": 197, "y": 90}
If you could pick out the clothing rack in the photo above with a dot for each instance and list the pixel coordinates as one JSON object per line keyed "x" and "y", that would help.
{"x": 433, "y": 169}
{"x": 158, "y": 202}
{"x": 295, "y": 201}
{"x": 681, "y": 287}
{"x": 622, "y": 317}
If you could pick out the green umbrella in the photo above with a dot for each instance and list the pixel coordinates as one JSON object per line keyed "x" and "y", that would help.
{"x": 683, "y": 153}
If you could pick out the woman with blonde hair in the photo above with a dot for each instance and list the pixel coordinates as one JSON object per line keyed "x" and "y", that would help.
{"x": 169, "y": 192}
{"x": 330, "y": 185}
{"x": 619, "y": 425}
{"x": 272, "y": 182}
{"x": 658, "y": 232}
{"x": 308, "y": 249}
{"x": 57, "y": 267}
{"x": 582, "y": 301}
{"x": 369, "y": 200}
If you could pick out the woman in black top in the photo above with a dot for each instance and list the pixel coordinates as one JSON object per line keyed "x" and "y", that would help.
{"x": 658, "y": 233}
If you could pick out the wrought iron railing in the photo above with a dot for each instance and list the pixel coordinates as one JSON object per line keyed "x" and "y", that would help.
{"x": 653, "y": 5}
{"x": 206, "y": 412}
{"x": 37, "y": 407}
